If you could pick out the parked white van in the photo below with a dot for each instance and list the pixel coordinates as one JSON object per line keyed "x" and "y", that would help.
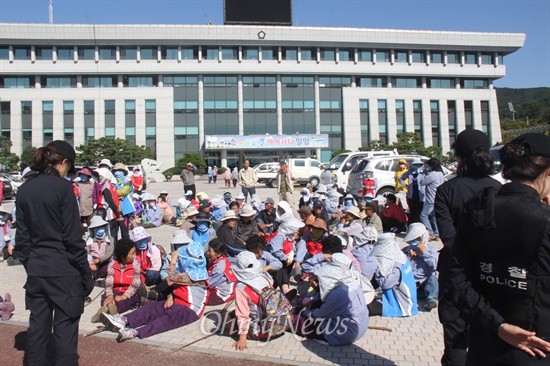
{"x": 337, "y": 170}
{"x": 305, "y": 170}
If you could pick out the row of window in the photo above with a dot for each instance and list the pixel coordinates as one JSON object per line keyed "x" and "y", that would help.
{"x": 9, "y": 82}
{"x": 249, "y": 53}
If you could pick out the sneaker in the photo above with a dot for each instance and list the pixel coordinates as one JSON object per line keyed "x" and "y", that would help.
{"x": 113, "y": 321}
{"x": 97, "y": 316}
{"x": 430, "y": 304}
{"x": 126, "y": 334}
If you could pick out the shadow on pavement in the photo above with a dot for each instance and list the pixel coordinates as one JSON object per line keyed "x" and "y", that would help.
{"x": 345, "y": 355}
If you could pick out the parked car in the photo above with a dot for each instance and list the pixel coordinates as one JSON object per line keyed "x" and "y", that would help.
{"x": 15, "y": 183}
{"x": 8, "y": 188}
{"x": 305, "y": 170}
{"x": 383, "y": 169}
{"x": 337, "y": 170}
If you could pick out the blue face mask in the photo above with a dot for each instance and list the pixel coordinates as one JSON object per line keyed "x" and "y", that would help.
{"x": 100, "y": 232}
{"x": 142, "y": 244}
{"x": 119, "y": 174}
{"x": 84, "y": 178}
{"x": 414, "y": 242}
{"x": 202, "y": 227}
{"x": 227, "y": 199}
{"x": 348, "y": 202}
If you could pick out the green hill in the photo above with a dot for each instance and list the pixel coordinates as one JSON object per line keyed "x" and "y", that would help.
{"x": 531, "y": 104}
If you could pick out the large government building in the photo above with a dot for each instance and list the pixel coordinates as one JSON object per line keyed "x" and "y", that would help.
{"x": 229, "y": 90}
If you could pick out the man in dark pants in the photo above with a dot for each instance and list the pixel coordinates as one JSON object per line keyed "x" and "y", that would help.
{"x": 475, "y": 163}
{"x": 50, "y": 246}
{"x": 188, "y": 177}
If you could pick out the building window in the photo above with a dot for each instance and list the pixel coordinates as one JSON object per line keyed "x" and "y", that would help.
{"x": 139, "y": 81}
{"x": 148, "y": 53}
{"x": 4, "y": 53}
{"x": 382, "y": 56}
{"x": 109, "y": 107}
{"x": 500, "y": 59}
{"x": 334, "y": 81}
{"x": 485, "y": 118}
{"x": 346, "y": 54}
{"x": 453, "y": 57}
{"x": 487, "y": 59}
{"x": 5, "y": 116}
{"x": 269, "y": 53}
{"x": 250, "y": 53}
{"x": 173, "y": 80}
{"x": 436, "y": 57}
{"x": 441, "y": 83}
{"x": 470, "y": 58}
{"x": 328, "y": 54}
{"x": 451, "y": 111}
{"x": 22, "y": 53}
{"x": 434, "y": 109}
{"x": 373, "y": 82}
{"x": 86, "y": 53}
{"x": 68, "y": 107}
{"x": 47, "y": 121}
{"x": 26, "y": 107}
{"x": 417, "y": 111}
{"x": 209, "y": 53}
{"x": 400, "y": 115}
{"x": 260, "y": 104}
{"x": 43, "y": 53}
{"x": 364, "y": 55}
{"x": 65, "y": 53}
{"x": 405, "y": 82}
{"x": 401, "y": 56}
{"x": 107, "y": 53}
{"x": 58, "y": 82}
{"x": 230, "y": 53}
{"x": 289, "y": 53}
{"x": 128, "y": 53}
{"x": 98, "y": 82}
{"x": 475, "y": 84}
{"x": 383, "y": 120}
{"x": 468, "y": 114}
{"x": 15, "y": 82}
{"x": 365, "y": 121}
{"x": 169, "y": 53}
{"x": 192, "y": 53}
{"x": 418, "y": 57}
{"x": 308, "y": 54}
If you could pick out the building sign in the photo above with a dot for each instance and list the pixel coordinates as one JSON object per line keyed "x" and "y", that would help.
{"x": 265, "y": 142}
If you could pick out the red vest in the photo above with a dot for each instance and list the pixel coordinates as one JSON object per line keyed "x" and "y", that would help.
{"x": 369, "y": 185}
{"x": 123, "y": 277}
{"x": 144, "y": 261}
{"x": 314, "y": 247}
{"x": 288, "y": 244}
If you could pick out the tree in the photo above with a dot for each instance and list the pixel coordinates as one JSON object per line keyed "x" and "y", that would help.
{"x": 194, "y": 158}
{"x": 8, "y": 160}
{"x": 116, "y": 150}
{"x": 338, "y": 152}
{"x": 27, "y": 157}
{"x": 374, "y": 145}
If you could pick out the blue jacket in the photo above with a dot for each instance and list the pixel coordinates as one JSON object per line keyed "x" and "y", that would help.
{"x": 398, "y": 292}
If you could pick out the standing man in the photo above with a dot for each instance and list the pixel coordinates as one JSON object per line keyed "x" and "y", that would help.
{"x": 188, "y": 177}
{"x": 285, "y": 184}
{"x": 248, "y": 180}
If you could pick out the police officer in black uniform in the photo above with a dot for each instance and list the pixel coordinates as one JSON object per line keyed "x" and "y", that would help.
{"x": 50, "y": 246}
{"x": 500, "y": 271}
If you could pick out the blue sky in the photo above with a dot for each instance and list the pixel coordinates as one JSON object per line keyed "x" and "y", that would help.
{"x": 529, "y": 67}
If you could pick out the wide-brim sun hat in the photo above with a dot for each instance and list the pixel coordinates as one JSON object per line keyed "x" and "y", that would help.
{"x": 202, "y": 217}
{"x": 180, "y": 237}
{"x": 319, "y": 223}
{"x": 139, "y": 233}
{"x": 121, "y": 167}
{"x": 104, "y": 173}
{"x": 240, "y": 196}
{"x": 353, "y": 210}
{"x": 85, "y": 171}
{"x": 97, "y": 221}
{"x": 321, "y": 188}
{"x": 106, "y": 162}
{"x": 247, "y": 211}
{"x": 229, "y": 215}
{"x": 191, "y": 211}
{"x": 416, "y": 230}
{"x": 3, "y": 209}
{"x": 148, "y": 197}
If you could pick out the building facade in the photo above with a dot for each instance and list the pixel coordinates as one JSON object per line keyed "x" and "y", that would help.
{"x": 171, "y": 86}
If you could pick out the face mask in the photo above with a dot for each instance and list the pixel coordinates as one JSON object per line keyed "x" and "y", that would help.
{"x": 84, "y": 178}
{"x": 202, "y": 226}
{"x": 414, "y": 243}
{"x": 119, "y": 174}
{"x": 142, "y": 244}
{"x": 2, "y": 220}
{"x": 152, "y": 204}
{"x": 348, "y": 202}
{"x": 227, "y": 200}
{"x": 100, "y": 232}
{"x": 316, "y": 234}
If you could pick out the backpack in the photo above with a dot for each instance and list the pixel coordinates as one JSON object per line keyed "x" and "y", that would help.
{"x": 276, "y": 312}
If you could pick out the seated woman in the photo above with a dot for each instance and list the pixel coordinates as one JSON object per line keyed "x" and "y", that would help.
{"x": 250, "y": 282}
{"x": 310, "y": 245}
{"x": 342, "y": 317}
{"x": 395, "y": 277}
{"x": 122, "y": 282}
{"x": 189, "y": 219}
{"x": 362, "y": 251}
{"x": 247, "y": 226}
{"x": 168, "y": 216}
{"x": 202, "y": 232}
{"x": 271, "y": 265}
{"x": 394, "y": 217}
{"x": 185, "y": 306}
{"x": 282, "y": 242}
{"x": 148, "y": 255}
{"x": 221, "y": 279}
{"x": 101, "y": 248}
{"x": 152, "y": 215}
{"x": 227, "y": 233}
{"x": 330, "y": 244}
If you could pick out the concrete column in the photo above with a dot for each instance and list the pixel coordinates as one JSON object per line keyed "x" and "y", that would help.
{"x": 165, "y": 128}
{"x": 33, "y": 54}
{"x": 444, "y": 126}
{"x": 96, "y": 54}
{"x": 75, "y": 54}
{"x": 37, "y": 82}
{"x": 391, "y": 119}
{"x": 224, "y": 158}
{"x": 79, "y": 81}
{"x": 78, "y": 118}
{"x": 317, "y": 105}
{"x": 99, "y": 120}
{"x": 37, "y": 124}
{"x": 16, "y": 127}
{"x": 140, "y": 122}
{"x": 117, "y": 54}
{"x": 260, "y": 56}
{"x": 159, "y": 54}
{"x": 138, "y": 54}
{"x": 337, "y": 55}
{"x": 120, "y": 119}
{"x": 279, "y": 104}
{"x": 445, "y": 59}
{"x": 120, "y": 81}
{"x": 409, "y": 115}
{"x": 476, "y": 111}
{"x": 426, "y": 123}
{"x": 240, "y": 109}
{"x": 201, "y": 112}
{"x": 54, "y": 54}
{"x": 460, "y": 117}
{"x": 58, "y": 122}
{"x": 179, "y": 53}
{"x": 494, "y": 121}
{"x": 299, "y": 54}
{"x": 355, "y": 56}
{"x": 11, "y": 55}
{"x": 374, "y": 128}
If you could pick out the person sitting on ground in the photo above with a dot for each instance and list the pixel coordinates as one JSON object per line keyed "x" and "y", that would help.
{"x": 282, "y": 242}
{"x": 348, "y": 202}
{"x": 184, "y": 306}
{"x": 423, "y": 258}
{"x": 247, "y": 226}
{"x": 362, "y": 247}
{"x": 235, "y": 207}
{"x": 240, "y": 199}
{"x": 180, "y": 210}
{"x": 309, "y": 246}
{"x": 168, "y": 216}
{"x": 341, "y": 298}
{"x": 148, "y": 255}
{"x": 347, "y": 245}
{"x": 256, "y": 203}
{"x": 189, "y": 222}
{"x": 152, "y": 215}
{"x": 221, "y": 279}
{"x": 332, "y": 207}
{"x": 202, "y": 232}
{"x": 370, "y": 185}
{"x": 271, "y": 265}
{"x": 266, "y": 217}
{"x": 206, "y": 207}
{"x": 190, "y": 196}
{"x": 350, "y": 221}
{"x": 305, "y": 199}
{"x": 227, "y": 233}
{"x": 307, "y": 216}
{"x": 319, "y": 211}
{"x": 394, "y": 217}
{"x": 395, "y": 278}
{"x": 137, "y": 180}
{"x": 330, "y": 244}
{"x": 202, "y": 196}
{"x": 216, "y": 209}
{"x": 372, "y": 219}
{"x": 164, "y": 194}
{"x": 122, "y": 282}
{"x": 226, "y": 201}
{"x": 251, "y": 280}
{"x": 138, "y": 208}
{"x": 101, "y": 247}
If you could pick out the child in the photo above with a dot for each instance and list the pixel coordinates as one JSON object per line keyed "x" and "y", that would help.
{"x": 148, "y": 256}
{"x": 370, "y": 184}
{"x": 101, "y": 249}
{"x": 122, "y": 282}
{"x": 184, "y": 306}
{"x": 221, "y": 279}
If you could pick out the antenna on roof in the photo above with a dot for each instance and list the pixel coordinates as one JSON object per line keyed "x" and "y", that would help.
{"x": 50, "y": 12}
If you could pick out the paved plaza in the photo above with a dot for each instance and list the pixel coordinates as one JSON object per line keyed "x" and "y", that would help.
{"x": 413, "y": 341}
